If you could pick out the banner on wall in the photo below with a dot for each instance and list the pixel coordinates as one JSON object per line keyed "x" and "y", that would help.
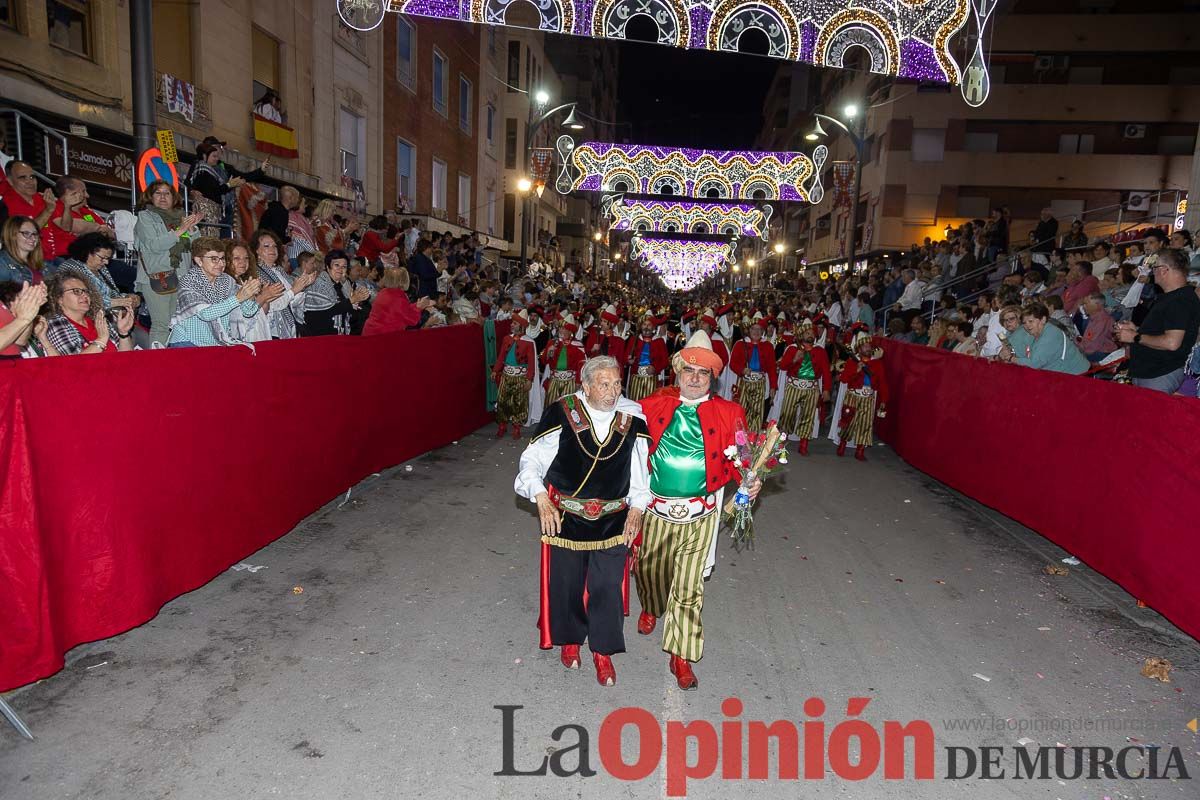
{"x": 179, "y": 97}
{"x": 843, "y": 180}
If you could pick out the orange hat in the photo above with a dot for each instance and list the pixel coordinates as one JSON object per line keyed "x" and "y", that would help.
{"x": 699, "y": 351}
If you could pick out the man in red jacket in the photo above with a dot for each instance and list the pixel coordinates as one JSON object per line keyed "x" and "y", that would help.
{"x": 564, "y": 359}
{"x": 515, "y": 371}
{"x": 647, "y": 357}
{"x": 603, "y": 340}
{"x": 752, "y": 363}
{"x": 689, "y": 432}
{"x": 807, "y": 387}
{"x": 863, "y": 393}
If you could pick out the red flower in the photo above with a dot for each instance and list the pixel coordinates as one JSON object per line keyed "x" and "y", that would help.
{"x": 772, "y": 463}
{"x": 746, "y": 463}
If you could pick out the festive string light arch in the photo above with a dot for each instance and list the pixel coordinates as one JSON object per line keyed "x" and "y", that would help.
{"x": 602, "y": 166}
{"x": 682, "y": 264}
{"x": 742, "y": 219}
{"x": 905, "y": 38}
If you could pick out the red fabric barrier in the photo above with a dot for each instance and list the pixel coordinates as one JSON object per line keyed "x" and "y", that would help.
{"x": 1103, "y": 470}
{"x": 130, "y": 479}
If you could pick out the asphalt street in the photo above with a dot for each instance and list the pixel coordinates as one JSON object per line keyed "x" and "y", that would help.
{"x": 363, "y": 655}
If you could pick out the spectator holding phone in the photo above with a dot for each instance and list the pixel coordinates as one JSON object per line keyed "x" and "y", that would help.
{"x": 78, "y": 324}
{"x": 1159, "y": 346}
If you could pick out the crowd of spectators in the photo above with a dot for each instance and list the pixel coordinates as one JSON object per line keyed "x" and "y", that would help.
{"x": 1059, "y": 302}
{"x": 303, "y": 269}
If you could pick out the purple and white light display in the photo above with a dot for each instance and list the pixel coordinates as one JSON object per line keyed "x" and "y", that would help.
{"x": 686, "y": 172}
{"x": 687, "y": 216}
{"x": 682, "y": 264}
{"x": 904, "y": 38}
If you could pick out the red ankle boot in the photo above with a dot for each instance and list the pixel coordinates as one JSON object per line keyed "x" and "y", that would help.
{"x": 802, "y": 448}
{"x": 570, "y": 656}
{"x": 682, "y": 670}
{"x": 606, "y": 674}
{"x": 646, "y": 623}
{"x": 842, "y": 447}
{"x": 500, "y": 431}
{"x": 516, "y": 431}
{"x": 860, "y": 452}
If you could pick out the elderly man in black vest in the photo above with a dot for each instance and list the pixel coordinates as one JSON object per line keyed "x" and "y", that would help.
{"x": 586, "y": 469}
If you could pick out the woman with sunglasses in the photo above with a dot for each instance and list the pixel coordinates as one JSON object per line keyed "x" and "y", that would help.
{"x": 21, "y": 258}
{"x": 78, "y": 324}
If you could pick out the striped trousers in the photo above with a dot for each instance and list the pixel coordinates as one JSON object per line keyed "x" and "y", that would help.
{"x": 670, "y": 579}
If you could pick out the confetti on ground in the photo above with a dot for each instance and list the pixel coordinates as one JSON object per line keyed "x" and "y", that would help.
{"x": 1043, "y": 628}
{"x": 1055, "y": 569}
{"x": 1072, "y": 560}
{"x": 297, "y": 590}
{"x": 908, "y": 501}
{"x": 943, "y": 583}
{"x": 408, "y": 467}
{"x": 516, "y": 661}
{"x": 93, "y": 666}
{"x": 1040, "y": 675}
{"x": 983, "y": 677}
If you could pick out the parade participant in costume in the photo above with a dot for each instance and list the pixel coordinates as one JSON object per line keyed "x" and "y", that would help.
{"x": 708, "y": 324}
{"x": 807, "y": 386}
{"x": 687, "y": 321}
{"x": 689, "y": 432}
{"x": 519, "y": 392}
{"x": 536, "y": 330}
{"x": 647, "y": 358}
{"x": 753, "y": 362}
{"x": 585, "y": 468}
{"x": 862, "y": 395}
{"x": 603, "y": 341}
{"x": 563, "y": 360}
{"x": 726, "y": 325}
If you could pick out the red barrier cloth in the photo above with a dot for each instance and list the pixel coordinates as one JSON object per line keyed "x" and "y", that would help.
{"x": 1103, "y": 470}
{"x": 130, "y": 479}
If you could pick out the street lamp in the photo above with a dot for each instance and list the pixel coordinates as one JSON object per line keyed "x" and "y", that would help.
{"x": 542, "y": 97}
{"x": 779, "y": 248}
{"x": 858, "y": 136}
{"x": 524, "y": 185}
{"x": 596, "y": 236}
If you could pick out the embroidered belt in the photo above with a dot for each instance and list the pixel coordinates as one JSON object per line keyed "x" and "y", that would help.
{"x": 646, "y": 372}
{"x": 509, "y": 369}
{"x": 802, "y": 383}
{"x": 865, "y": 391}
{"x": 589, "y": 509}
{"x": 682, "y": 509}
{"x": 755, "y": 377}
{"x": 563, "y": 375}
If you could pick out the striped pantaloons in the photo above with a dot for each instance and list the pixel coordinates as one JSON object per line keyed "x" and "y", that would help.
{"x": 670, "y": 579}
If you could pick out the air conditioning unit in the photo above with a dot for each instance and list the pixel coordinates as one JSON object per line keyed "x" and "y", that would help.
{"x": 1043, "y": 63}
{"x": 1137, "y": 201}
{"x": 1134, "y": 131}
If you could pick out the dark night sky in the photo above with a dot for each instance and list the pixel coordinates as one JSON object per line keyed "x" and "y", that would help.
{"x": 692, "y": 98}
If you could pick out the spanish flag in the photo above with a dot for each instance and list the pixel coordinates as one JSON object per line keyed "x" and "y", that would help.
{"x": 271, "y": 137}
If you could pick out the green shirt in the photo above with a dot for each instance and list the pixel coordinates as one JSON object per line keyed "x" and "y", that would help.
{"x": 677, "y": 468}
{"x": 806, "y": 367}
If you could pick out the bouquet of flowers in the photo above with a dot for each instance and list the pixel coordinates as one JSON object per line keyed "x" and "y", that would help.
{"x": 756, "y": 455}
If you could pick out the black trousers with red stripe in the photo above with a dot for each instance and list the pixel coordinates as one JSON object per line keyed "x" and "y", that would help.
{"x": 584, "y": 599}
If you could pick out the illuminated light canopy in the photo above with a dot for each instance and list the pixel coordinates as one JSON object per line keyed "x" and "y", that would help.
{"x": 685, "y": 172}
{"x": 682, "y": 264}
{"x": 687, "y": 216}
{"x": 902, "y": 38}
